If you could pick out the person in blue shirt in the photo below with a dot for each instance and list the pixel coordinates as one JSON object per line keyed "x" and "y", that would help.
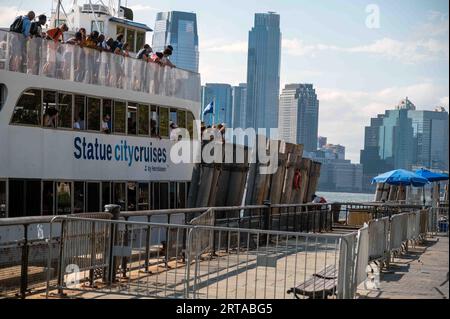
{"x": 26, "y": 23}
{"x": 19, "y": 47}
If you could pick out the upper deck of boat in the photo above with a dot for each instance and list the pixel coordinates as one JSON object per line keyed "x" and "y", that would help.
{"x": 40, "y": 57}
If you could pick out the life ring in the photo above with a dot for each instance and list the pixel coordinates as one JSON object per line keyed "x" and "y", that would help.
{"x": 297, "y": 180}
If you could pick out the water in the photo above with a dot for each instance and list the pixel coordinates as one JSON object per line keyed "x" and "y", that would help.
{"x": 346, "y": 197}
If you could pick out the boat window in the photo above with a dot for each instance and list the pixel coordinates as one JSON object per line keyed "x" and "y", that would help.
{"x": 93, "y": 114}
{"x": 28, "y": 108}
{"x": 107, "y": 113}
{"x": 119, "y": 196}
{"x": 143, "y": 119}
{"x": 130, "y": 40}
{"x": 80, "y": 112}
{"x": 164, "y": 195}
{"x": 190, "y": 125}
{"x": 154, "y": 121}
{"x": 181, "y": 118}
{"x": 140, "y": 40}
{"x": 93, "y": 197}
{"x": 2, "y": 199}
{"x": 131, "y": 196}
{"x": 182, "y": 195}
{"x": 64, "y": 198}
{"x": 106, "y": 194}
{"x": 132, "y": 118}
{"x": 143, "y": 197}
{"x": 119, "y": 117}
{"x": 3, "y": 93}
{"x": 155, "y": 196}
{"x": 164, "y": 122}
{"x": 65, "y": 102}
{"x": 48, "y": 198}
{"x": 24, "y": 198}
{"x": 79, "y": 195}
{"x": 173, "y": 195}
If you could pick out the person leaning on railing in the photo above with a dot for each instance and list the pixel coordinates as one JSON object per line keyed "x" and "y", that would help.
{"x": 21, "y": 24}
{"x": 57, "y": 34}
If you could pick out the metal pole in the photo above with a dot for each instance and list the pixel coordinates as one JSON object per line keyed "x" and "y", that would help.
{"x": 115, "y": 211}
{"x": 24, "y": 266}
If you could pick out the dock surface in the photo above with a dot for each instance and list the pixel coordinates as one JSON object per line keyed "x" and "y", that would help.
{"x": 420, "y": 273}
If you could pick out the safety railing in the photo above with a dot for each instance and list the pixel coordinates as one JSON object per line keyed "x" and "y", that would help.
{"x": 379, "y": 239}
{"x": 46, "y": 58}
{"x": 24, "y": 241}
{"x": 247, "y": 263}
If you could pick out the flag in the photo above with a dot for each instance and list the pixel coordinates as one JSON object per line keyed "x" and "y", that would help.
{"x": 209, "y": 109}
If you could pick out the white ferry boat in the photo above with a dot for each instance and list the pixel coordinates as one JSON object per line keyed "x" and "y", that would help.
{"x": 67, "y": 163}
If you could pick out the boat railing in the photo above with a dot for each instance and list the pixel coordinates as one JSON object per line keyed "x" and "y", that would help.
{"x": 41, "y": 57}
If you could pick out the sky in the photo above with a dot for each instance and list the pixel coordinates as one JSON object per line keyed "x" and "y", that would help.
{"x": 363, "y": 56}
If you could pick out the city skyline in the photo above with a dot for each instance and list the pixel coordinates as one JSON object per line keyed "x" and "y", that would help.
{"x": 358, "y": 71}
{"x": 178, "y": 29}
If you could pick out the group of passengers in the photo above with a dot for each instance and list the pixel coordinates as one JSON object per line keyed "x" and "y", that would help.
{"x": 29, "y": 28}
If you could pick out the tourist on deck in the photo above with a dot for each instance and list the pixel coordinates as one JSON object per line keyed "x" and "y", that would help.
{"x": 76, "y": 40}
{"x": 101, "y": 42}
{"x": 119, "y": 42}
{"x": 35, "y": 47}
{"x": 57, "y": 34}
{"x": 126, "y": 50}
{"x": 17, "y": 46}
{"x": 36, "y": 26}
{"x": 83, "y": 34}
{"x": 165, "y": 59}
{"x": 156, "y": 58}
{"x": 144, "y": 53}
{"x": 92, "y": 40}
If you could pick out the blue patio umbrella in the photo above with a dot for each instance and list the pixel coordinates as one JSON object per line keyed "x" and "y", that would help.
{"x": 401, "y": 177}
{"x": 432, "y": 176}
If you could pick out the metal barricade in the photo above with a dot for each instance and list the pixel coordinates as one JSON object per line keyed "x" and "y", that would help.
{"x": 362, "y": 257}
{"x": 378, "y": 239}
{"x": 247, "y": 263}
{"x": 398, "y": 232}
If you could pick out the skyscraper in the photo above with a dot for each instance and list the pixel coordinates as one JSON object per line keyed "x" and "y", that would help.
{"x": 220, "y": 94}
{"x": 178, "y": 29}
{"x": 404, "y": 138}
{"x": 263, "y": 72}
{"x": 299, "y": 115}
{"x": 239, "y": 105}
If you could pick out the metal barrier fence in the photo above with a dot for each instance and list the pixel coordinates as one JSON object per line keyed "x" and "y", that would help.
{"x": 247, "y": 263}
{"x": 379, "y": 239}
{"x": 24, "y": 251}
{"x": 41, "y": 57}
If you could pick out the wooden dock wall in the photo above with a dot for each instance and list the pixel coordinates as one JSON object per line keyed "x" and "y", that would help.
{"x": 222, "y": 184}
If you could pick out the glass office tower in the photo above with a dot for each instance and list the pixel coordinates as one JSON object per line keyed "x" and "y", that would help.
{"x": 263, "y": 72}
{"x": 178, "y": 29}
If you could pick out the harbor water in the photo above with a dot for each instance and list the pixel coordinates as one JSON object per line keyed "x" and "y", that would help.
{"x": 346, "y": 197}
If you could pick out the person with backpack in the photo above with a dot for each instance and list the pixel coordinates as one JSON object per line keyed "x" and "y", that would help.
{"x": 18, "y": 50}
{"x": 36, "y": 26}
{"x": 35, "y": 46}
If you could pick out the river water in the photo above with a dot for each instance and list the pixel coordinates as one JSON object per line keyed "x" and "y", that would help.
{"x": 346, "y": 197}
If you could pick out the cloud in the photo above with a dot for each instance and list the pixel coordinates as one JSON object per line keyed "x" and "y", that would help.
{"x": 222, "y": 47}
{"x": 353, "y": 110}
{"x": 141, "y": 7}
{"x": 403, "y": 51}
{"x": 7, "y": 15}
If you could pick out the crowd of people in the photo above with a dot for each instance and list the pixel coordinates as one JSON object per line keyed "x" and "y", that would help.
{"x": 29, "y": 28}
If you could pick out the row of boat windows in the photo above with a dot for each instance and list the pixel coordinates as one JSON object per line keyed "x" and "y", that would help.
{"x": 45, "y": 198}
{"x": 72, "y": 111}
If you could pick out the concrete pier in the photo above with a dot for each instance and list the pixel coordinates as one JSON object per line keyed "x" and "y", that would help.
{"x": 420, "y": 273}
